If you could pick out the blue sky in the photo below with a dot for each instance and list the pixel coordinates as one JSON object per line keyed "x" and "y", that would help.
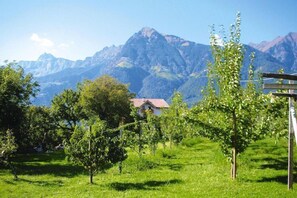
{"x": 75, "y": 29}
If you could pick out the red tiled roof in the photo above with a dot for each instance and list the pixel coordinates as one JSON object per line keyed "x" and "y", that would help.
{"x": 158, "y": 103}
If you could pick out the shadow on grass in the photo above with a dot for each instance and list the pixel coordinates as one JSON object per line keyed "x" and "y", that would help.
{"x": 272, "y": 163}
{"x": 175, "y": 167}
{"x": 37, "y": 183}
{"x": 40, "y": 157}
{"x": 45, "y": 163}
{"x": 65, "y": 170}
{"x": 277, "y": 164}
{"x": 280, "y": 179}
{"x": 148, "y": 185}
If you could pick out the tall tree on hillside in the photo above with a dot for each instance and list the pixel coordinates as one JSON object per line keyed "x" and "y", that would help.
{"x": 39, "y": 128}
{"x": 16, "y": 89}
{"x": 107, "y": 98}
{"x": 67, "y": 111}
{"x": 232, "y": 114}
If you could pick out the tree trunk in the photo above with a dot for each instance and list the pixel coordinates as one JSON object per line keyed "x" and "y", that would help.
{"x": 120, "y": 167}
{"x": 234, "y": 153}
{"x": 139, "y": 144}
{"x": 91, "y": 175}
{"x": 13, "y": 170}
{"x": 154, "y": 148}
{"x": 90, "y": 156}
{"x": 233, "y": 164}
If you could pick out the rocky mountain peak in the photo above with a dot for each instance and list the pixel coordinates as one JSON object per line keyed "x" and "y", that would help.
{"x": 152, "y": 63}
{"x": 147, "y": 32}
{"x": 265, "y": 46}
{"x": 292, "y": 36}
{"x": 46, "y": 57}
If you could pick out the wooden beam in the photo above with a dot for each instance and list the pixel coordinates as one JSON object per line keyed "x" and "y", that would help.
{"x": 280, "y": 86}
{"x": 280, "y": 76}
{"x": 285, "y": 95}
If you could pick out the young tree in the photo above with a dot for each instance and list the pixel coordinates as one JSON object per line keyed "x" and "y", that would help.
{"x": 107, "y": 98}
{"x": 133, "y": 135}
{"x": 173, "y": 120}
{"x": 231, "y": 114}
{"x": 95, "y": 147}
{"x": 151, "y": 130}
{"x": 7, "y": 148}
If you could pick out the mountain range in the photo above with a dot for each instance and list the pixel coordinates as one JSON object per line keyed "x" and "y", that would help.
{"x": 154, "y": 65}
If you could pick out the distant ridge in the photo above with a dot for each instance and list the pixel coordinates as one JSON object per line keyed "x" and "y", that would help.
{"x": 283, "y": 48}
{"x": 154, "y": 65}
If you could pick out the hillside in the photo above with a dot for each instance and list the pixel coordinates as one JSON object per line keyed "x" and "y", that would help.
{"x": 153, "y": 64}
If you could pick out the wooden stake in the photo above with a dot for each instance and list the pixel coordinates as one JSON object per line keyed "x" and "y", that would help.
{"x": 90, "y": 157}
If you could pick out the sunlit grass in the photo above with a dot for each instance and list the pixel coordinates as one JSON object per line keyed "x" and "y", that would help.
{"x": 196, "y": 168}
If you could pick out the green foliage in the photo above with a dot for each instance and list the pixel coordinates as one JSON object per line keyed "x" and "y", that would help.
{"x": 8, "y": 147}
{"x": 39, "y": 128}
{"x": 16, "y": 88}
{"x": 151, "y": 130}
{"x": 107, "y": 98}
{"x": 191, "y": 142}
{"x": 231, "y": 114}
{"x": 96, "y": 149}
{"x": 133, "y": 136}
{"x": 173, "y": 120}
{"x": 67, "y": 111}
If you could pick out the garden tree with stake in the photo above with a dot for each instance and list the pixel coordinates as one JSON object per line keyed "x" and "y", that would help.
{"x": 133, "y": 135}
{"x": 94, "y": 146}
{"x": 231, "y": 114}
{"x": 67, "y": 111}
{"x": 151, "y": 130}
{"x": 7, "y": 148}
{"x": 107, "y": 98}
{"x": 173, "y": 120}
{"x": 16, "y": 89}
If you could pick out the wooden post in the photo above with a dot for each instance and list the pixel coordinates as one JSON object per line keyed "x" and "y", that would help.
{"x": 290, "y": 144}
{"x": 291, "y": 95}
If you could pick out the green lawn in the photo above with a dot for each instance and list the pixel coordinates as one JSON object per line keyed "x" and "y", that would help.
{"x": 195, "y": 169}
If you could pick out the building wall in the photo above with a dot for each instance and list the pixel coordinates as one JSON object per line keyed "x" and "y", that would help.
{"x": 156, "y": 111}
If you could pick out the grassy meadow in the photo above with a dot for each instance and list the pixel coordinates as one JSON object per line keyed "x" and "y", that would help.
{"x": 196, "y": 168}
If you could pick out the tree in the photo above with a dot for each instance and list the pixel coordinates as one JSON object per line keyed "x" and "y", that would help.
{"x": 151, "y": 130}
{"x": 67, "y": 111}
{"x": 173, "y": 120}
{"x": 107, "y": 98}
{"x": 95, "y": 147}
{"x": 39, "y": 128}
{"x": 16, "y": 89}
{"x": 7, "y": 148}
{"x": 133, "y": 135}
{"x": 232, "y": 114}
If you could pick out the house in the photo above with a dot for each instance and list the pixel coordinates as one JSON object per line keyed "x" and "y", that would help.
{"x": 153, "y": 104}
